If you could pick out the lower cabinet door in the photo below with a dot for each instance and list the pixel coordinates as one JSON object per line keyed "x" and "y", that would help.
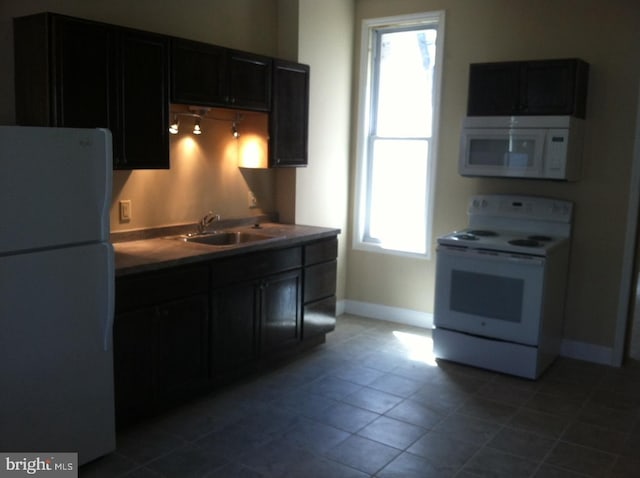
{"x": 182, "y": 348}
{"x": 234, "y": 327}
{"x": 281, "y": 314}
{"x": 161, "y": 355}
{"x": 133, "y": 364}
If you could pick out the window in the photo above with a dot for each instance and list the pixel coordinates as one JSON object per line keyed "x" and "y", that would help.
{"x": 399, "y": 92}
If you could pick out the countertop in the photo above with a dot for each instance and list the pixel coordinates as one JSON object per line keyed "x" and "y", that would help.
{"x": 135, "y": 256}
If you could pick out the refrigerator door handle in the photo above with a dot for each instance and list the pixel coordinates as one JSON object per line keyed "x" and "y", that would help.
{"x": 110, "y": 309}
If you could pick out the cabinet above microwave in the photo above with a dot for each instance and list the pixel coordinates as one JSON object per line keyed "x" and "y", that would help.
{"x": 537, "y": 87}
{"x": 540, "y": 147}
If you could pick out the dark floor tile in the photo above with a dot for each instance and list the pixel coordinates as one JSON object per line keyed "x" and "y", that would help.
{"x": 494, "y": 463}
{"x": 444, "y": 452}
{"x": 487, "y": 409}
{"x": 146, "y": 442}
{"x": 468, "y": 429}
{"x": 305, "y": 403}
{"x": 412, "y": 466}
{"x": 415, "y": 413}
{"x": 362, "y": 454}
{"x": 346, "y": 417}
{"x": 550, "y": 426}
{"x": 396, "y": 385}
{"x": 234, "y": 470}
{"x": 274, "y": 458}
{"x": 555, "y": 405}
{"x": 626, "y": 467}
{"x": 143, "y": 472}
{"x": 580, "y": 459}
{"x": 332, "y": 387}
{"x": 595, "y": 437}
{"x": 392, "y": 432}
{"x": 506, "y": 393}
{"x": 373, "y": 400}
{"x": 357, "y": 374}
{"x": 315, "y": 436}
{"x": 522, "y": 443}
{"x": 108, "y": 466}
{"x": 189, "y": 461}
{"x": 548, "y": 471}
{"x": 609, "y": 418}
{"x": 319, "y": 467}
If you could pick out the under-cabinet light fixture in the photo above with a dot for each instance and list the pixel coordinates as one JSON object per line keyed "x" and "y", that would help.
{"x": 196, "y": 127}
{"x": 173, "y": 128}
{"x": 201, "y": 114}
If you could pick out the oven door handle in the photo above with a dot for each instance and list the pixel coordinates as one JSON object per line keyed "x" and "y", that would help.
{"x": 491, "y": 255}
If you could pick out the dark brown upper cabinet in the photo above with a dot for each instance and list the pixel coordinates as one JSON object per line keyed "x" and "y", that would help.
{"x": 209, "y": 75}
{"x": 71, "y": 72}
{"x": 289, "y": 119}
{"x": 541, "y": 87}
{"x": 143, "y": 101}
{"x": 64, "y": 72}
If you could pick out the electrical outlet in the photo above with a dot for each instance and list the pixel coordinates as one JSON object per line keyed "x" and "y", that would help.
{"x": 125, "y": 210}
{"x": 252, "y": 201}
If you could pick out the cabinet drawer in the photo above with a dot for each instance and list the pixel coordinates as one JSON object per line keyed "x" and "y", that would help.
{"x": 156, "y": 287}
{"x": 321, "y": 251}
{"x": 319, "y": 281}
{"x": 251, "y": 266}
{"x": 319, "y": 318}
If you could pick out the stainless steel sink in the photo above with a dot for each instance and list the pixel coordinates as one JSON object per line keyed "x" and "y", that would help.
{"x": 226, "y": 238}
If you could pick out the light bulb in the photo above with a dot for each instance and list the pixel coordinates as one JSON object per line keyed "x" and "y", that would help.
{"x": 196, "y": 127}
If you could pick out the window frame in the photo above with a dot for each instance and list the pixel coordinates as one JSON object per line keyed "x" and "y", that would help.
{"x": 436, "y": 20}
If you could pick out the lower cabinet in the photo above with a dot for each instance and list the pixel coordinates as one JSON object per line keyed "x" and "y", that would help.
{"x": 183, "y": 330}
{"x": 160, "y": 336}
{"x": 280, "y": 301}
{"x": 320, "y": 275}
{"x": 257, "y": 315}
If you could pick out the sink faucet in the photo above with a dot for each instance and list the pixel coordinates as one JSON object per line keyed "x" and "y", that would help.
{"x": 206, "y": 220}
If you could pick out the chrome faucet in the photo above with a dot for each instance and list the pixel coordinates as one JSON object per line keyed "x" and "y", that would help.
{"x": 206, "y": 220}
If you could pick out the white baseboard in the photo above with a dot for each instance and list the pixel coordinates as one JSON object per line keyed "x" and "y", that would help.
{"x": 384, "y": 312}
{"x": 569, "y": 348}
{"x": 587, "y": 352}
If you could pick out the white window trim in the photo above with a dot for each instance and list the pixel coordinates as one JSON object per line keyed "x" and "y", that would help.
{"x": 426, "y": 18}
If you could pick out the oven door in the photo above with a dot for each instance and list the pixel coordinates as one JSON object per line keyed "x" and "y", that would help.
{"x": 490, "y": 294}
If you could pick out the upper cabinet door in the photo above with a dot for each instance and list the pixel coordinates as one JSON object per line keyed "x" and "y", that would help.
{"x": 143, "y": 94}
{"x": 554, "y": 87}
{"x": 494, "y": 89}
{"x": 63, "y": 72}
{"x": 209, "y": 75}
{"x": 249, "y": 81}
{"x": 198, "y": 73}
{"x": 289, "y": 119}
{"x": 83, "y": 61}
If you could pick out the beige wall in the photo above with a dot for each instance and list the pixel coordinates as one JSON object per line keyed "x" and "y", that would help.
{"x": 603, "y": 33}
{"x": 325, "y": 39}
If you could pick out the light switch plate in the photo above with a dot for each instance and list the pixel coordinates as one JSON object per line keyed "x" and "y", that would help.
{"x": 125, "y": 210}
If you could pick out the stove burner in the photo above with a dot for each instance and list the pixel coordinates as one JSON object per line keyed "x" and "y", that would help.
{"x": 540, "y": 238}
{"x": 525, "y": 242}
{"x": 465, "y": 237}
{"x": 482, "y": 233}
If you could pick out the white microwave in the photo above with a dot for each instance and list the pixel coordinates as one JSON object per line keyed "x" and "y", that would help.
{"x": 542, "y": 147}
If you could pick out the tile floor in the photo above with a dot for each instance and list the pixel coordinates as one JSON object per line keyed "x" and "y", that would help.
{"x": 365, "y": 404}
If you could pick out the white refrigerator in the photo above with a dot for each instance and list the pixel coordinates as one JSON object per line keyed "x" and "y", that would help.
{"x": 56, "y": 291}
